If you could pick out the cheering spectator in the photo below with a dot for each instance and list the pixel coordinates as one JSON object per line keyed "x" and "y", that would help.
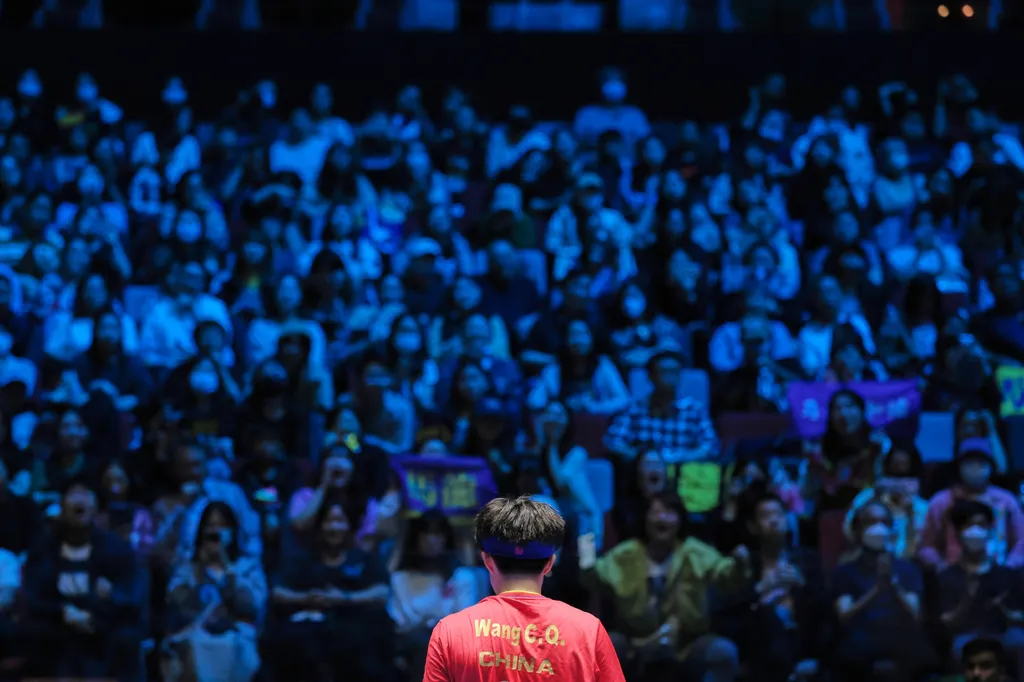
{"x": 84, "y": 594}
{"x": 878, "y": 604}
{"x": 778, "y": 622}
{"x": 675, "y": 572}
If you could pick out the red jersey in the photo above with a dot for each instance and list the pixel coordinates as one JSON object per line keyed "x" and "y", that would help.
{"x": 521, "y": 636}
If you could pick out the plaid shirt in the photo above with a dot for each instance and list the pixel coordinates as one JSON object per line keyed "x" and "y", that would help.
{"x": 685, "y": 428}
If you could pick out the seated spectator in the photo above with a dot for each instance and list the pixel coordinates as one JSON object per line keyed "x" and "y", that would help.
{"x": 842, "y": 463}
{"x": 107, "y": 365}
{"x": 679, "y": 428}
{"x": 972, "y": 423}
{"x": 561, "y": 469}
{"x": 584, "y": 379}
{"x": 637, "y": 332}
{"x": 84, "y": 595}
{"x": 878, "y": 605}
{"x": 427, "y": 585}
{"x": 215, "y": 600}
{"x": 338, "y": 478}
{"x": 70, "y": 333}
{"x": 178, "y": 512}
{"x": 975, "y": 597}
{"x": 128, "y": 520}
{"x": 74, "y": 456}
{"x": 778, "y": 621}
{"x": 675, "y": 572}
{"x": 940, "y": 544}
{"x": 984, "y": 660}
{"x": 898, "y": 489}
{"x": 333, "y": 602}
{"x": 388, "y": 418}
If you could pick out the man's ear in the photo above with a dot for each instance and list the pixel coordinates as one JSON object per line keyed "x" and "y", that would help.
{"x": 488, "y": 562}
{"x": 549, "y": 565}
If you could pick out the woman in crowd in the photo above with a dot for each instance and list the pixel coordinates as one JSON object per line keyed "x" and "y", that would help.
{"x": 898, "y": 487}
{"x": 584, "y": 379}
{"x": 427, "y": 584}
{"x": 674, "y": 572}
{"x": 215, "y": 602}
{"x": 334, "y": 606}
{"x": 121, "y": 515}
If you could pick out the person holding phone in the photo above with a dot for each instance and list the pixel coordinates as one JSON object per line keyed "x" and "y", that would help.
{"x": 215, "y": 601}
{"x": 518, "y": 630}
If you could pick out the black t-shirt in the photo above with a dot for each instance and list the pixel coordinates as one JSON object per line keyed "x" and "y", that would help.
{"x": 983, "y": 616}
{"x": 359, "y": 570}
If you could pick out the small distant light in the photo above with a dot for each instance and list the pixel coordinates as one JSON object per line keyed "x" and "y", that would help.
{"x": 943, "y": 11}
{"x": 968, "y": 11}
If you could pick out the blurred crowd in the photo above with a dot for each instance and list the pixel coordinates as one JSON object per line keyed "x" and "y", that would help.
{"x": 256, "y": 374}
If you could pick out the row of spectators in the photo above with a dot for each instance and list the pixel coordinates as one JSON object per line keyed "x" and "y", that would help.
{"x": 250, "y": 367}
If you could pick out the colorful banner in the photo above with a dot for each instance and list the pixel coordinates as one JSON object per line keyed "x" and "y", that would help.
{"x": 1011, "y": 386}
{"x": 456, "y": 485}
{"x": 887, "y": 402}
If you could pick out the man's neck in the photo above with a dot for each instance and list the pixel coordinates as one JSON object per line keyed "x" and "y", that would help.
{"x": 521, "y": 583}
{"x": 76, "y": 537}
{"x": 660, "y": 551}
{"x": 662, "y": 397}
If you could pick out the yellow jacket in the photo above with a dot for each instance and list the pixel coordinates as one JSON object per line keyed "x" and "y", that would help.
{"x": 693, "y": 567}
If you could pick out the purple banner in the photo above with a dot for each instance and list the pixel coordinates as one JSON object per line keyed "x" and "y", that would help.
{"x": 887, "y": 402}
{"x": 455, "y": 485}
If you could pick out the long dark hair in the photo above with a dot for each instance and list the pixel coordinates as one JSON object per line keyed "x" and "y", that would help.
{"x": 410, "y": 558}
{"x": 229, "y": 515}
{"x": 833, "y": 444}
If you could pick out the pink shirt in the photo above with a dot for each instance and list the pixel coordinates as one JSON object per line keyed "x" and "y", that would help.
{"x": 939, "y": 541}
{"x": 302, "y": 497}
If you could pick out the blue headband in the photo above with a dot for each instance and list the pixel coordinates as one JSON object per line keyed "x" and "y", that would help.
{"x": 530, "y": 550}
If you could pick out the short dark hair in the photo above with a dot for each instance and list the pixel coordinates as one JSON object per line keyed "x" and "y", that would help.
{"x": 984, "y": 645}
{"x": 519, "y": 521}
{"x": 965, "y": 510}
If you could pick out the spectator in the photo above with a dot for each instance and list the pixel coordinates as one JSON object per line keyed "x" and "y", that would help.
{"x": 427, "y": 585}
{"x": 658, "y": 566}
{"x": 984, "y": 660}
{"x": 878, "y": 604}
{"x": 939, "y": 542}
{"x": 976, "y": 598}
{"x": 127, "y": 520}
{"x": 898, "y": 488}
{"x": 84, "y": 594}
{"x": 215, "y": 600}
{"x": 586, "y": 380}
{"x": 778, "y": 621}
{"x": 679, "y": 428}
{"x": 335, "y": 605}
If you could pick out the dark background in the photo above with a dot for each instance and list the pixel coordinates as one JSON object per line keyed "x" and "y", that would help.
{"x": 671, "y": 76}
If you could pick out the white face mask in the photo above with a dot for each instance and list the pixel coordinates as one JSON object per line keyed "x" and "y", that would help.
{"x": 614, "y": 91}
{"x": 268, "y": 96}
{"x": 975, "y": 538}
{"x": 204, "y": 382}
{"x": 876, "y": 537}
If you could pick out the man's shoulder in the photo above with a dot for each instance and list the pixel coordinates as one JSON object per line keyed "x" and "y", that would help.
{"x": 489, "y": 609}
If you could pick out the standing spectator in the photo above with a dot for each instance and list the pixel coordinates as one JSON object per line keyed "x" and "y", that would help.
{"x": 612, "y": 112}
